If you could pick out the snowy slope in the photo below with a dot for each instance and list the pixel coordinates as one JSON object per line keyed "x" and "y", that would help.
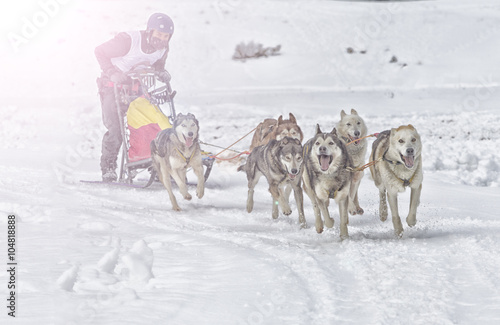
{"x": 109, "y": 255}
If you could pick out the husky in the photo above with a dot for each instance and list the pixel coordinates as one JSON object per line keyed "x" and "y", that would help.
{"x": 327, "y": 176}
{"x": 173, "y": 151}
{"x": 281, "y": 163}
{"x": 276, "y": 129}
{"x": 397, "y": 165}
{"x": 351, "y": 129}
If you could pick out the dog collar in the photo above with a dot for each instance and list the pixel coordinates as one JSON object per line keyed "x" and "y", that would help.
{"x": 390, "y": 161}
{"x": 406, "y": 182}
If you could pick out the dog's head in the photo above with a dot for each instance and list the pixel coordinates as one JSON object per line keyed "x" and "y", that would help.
{"x": 405, "y": 142}
{"x": 288, "y": 128}
{"x": 290, "y": 155}
{"x": 325, "y": 149}
{"x": 186, "y": 128}
{"x": 351, "y": 127}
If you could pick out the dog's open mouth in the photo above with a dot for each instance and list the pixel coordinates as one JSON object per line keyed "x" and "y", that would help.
{"x": 292, "y": 176}
{"x": 354, "y": 140}
{"x": 408, "y": 160}
{"x": 324, "y": 162}
{"x": 188, "y": 141}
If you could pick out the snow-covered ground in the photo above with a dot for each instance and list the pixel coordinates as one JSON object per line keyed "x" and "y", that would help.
{"x": 90, "y": 254}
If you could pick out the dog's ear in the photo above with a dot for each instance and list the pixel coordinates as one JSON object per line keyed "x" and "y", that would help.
{"x": 318, "y": 129}
{"x": 280, "y": 120}
{"x": 334, "y": 132}
{"x": 411, "y": 126}
{"x": 342, "y": 114}
{"x": 177, "y": 120}
{"x": 292, "y": 119}
{"x": 284, "y": 141}
{"x": 297, "y": 141}
{"x": 353, "y": 112}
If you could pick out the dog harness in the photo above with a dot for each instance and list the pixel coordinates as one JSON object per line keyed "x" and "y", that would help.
{"x": 187, "y": 160}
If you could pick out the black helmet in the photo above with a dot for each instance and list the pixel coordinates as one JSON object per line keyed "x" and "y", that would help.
{"x": 161, "y": 23}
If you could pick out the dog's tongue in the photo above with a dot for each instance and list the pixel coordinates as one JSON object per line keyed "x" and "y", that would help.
{"x": 408, "y": 161}
{"x": 324, "y": 162}
{"x": 189, "y": 141}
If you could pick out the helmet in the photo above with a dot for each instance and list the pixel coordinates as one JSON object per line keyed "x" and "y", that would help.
{"x": 161, "y": 23}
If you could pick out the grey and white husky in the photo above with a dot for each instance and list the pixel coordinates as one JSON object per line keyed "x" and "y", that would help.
{"x": 173, "y": 151}
{"x": 327, "y": 176}
{"x": 398, "y": 165}
{"x": 281, "y": 163}
{"x": 350, "y": 129}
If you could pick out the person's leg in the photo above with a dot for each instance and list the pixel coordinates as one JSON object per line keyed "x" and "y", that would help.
{"x": 112, "y": 139}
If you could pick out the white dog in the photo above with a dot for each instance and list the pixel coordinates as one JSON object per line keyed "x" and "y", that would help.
{"x": 173, "y": 151}
{"x": 398, "y": 164}
{"x": 351, "y": 129}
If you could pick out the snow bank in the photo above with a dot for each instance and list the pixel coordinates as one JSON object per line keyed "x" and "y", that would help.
{"x": 137, "y": 263}
{"x": 462, "y": 148}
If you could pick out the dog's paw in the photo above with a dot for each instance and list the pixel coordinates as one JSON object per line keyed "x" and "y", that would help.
{"x": 329, "y": 222}
{"x": 360, "y": 211}
{"x": 200, "y": 192}
{"x": 383, "y": 215}
{"x": 302, "y": 222}
{"x": 398, "y": 227}
{"x": 352, "y": 209}
{"x": 411, "y": 221}
{"x": 287, "y": 211}
{"x": 176, "y": 208}
{"x": 188, "y": 197}
{"x": 319, "y": 230}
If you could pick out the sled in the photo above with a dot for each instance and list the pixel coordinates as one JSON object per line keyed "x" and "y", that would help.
{"x": 146, "y": 98}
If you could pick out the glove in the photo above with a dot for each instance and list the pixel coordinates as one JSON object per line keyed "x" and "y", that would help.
{"x": 164, "y": 76}
{"x": 118, "y": 77}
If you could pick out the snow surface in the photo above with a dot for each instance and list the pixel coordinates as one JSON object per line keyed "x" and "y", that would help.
{"x": 91, "y": 254}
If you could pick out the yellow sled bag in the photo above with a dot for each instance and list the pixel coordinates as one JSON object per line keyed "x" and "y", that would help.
{"x": 144, "y": 121}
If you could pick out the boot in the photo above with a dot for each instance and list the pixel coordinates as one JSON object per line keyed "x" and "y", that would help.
{"x": 109, "y": 175}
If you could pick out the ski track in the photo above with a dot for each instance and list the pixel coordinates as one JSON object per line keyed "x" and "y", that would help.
{"x": 393, "y": 281}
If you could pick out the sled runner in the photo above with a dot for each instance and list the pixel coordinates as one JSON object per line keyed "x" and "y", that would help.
{"x": 145, "y": 97}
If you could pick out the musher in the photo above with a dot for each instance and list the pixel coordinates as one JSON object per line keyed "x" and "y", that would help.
{"x": 116, "y": 57}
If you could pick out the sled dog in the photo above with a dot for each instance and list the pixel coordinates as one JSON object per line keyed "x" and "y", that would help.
{"x": 281, "y": 163}
{"x": 173, "y": 151}
{"x": 327, "y": 175}
{"x": 397, "y": 154}
{"x": 276, "y": 129}
{"x": 351, "y": 128}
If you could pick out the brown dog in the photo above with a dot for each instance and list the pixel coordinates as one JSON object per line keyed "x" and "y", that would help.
{"x": 276, "y": 129}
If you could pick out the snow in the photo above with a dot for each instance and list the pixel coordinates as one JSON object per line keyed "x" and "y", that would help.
{"x": 91, "y": 254}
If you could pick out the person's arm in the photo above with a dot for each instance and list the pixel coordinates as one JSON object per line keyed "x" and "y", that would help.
{"x": 117, "y": 47}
